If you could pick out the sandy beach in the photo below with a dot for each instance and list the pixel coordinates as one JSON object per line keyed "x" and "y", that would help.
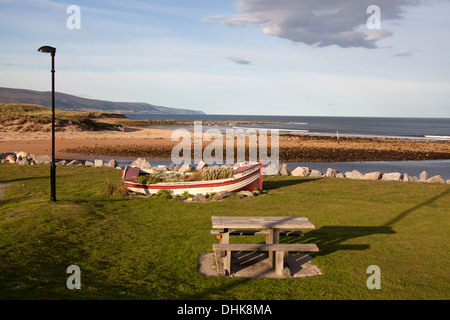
{"x": 156, "y": 143}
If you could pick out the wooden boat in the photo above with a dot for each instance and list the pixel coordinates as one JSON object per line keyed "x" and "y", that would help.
{"x": 245, "y": 177}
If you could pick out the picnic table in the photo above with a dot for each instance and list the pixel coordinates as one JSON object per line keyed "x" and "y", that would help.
{"x": 272, "y": 228}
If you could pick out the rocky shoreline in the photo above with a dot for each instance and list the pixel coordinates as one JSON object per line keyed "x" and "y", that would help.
{"x": 23, "y": 158}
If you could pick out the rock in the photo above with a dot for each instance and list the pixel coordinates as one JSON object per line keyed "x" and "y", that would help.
{"x": 162, "y": 168}
{"x": 63, "y": 163}
{"x": 285, "y": 170}
{"x": 112, "y": 164}
{"x": 187, "y": 167}
{"x": 44, "y": 159}
{"x": 74, "y": 163}
{"x": 199, "y": 198}
{"x": 393, "y": 176}
{"x": 355, "y": 174}
{"x": 316, "y": 174}
{"x": 141, "y": 163}
{"x": 256, "y": 192}
{"x": 271, "y": 170}
{"x": 201, "y": 165}
{"x": 98, "y": 163}
{"x": 448, "y": 181}
{"x": 407, "y": 178}
{"x": 21, "y": 155}
{"x": 435, "y": 179}
{"x": 301, "y": 172}
{"x": 172, "y": 167}
{"x": 340, "y": 176}
{"x": 331, "y": 173}
{"x": 22, "y": 161}
{"x": 373, "y": 176}
{"x": 221, "y": 195}
{"x": 89, "y": 163}
{"x": 176, "y": 168}
{"x": 245, "y": 193}
{"x": 11, "y": 158}
{"x": 423, "y": 176}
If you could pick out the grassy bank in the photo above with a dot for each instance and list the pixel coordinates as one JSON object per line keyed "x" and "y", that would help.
{"x": 30, "y": 117}
{"x": 148, "y": 248}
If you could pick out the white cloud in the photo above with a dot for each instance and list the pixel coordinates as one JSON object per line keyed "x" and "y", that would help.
{"x": 334, "y": 22}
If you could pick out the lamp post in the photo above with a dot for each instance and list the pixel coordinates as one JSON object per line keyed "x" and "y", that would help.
{"x": 52, "y": 51}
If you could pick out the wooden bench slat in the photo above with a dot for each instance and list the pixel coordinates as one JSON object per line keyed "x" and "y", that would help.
{"x": 310, "y": 247}
{"x": 258, "y": 232}
{"x": 261, "y": 222}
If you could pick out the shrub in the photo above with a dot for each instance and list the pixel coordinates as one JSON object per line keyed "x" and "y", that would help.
{"x": 186, "y": 195}
{"x": 113, "y": 190}
{"x": 163, "y": 194}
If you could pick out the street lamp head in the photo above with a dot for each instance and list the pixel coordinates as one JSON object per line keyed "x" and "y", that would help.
{"x": 47, "y": 49}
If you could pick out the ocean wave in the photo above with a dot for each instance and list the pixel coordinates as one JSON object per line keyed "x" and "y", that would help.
{"x": 437, "y": 137}
{"x": 284, "y": 130}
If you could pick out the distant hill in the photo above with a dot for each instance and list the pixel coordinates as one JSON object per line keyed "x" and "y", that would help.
{"x": 69, "y": 102}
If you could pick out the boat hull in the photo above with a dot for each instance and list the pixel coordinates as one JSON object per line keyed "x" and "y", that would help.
{"x": 245, "y": 178}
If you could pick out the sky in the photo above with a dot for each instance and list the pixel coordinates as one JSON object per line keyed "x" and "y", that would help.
{"x": 370, "y": 58}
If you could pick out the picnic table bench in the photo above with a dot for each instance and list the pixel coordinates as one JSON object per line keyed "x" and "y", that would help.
{"x": 273, "y": 228}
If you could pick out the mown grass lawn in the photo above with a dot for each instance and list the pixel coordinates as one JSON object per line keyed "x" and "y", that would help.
{"x": 149, "y": 248}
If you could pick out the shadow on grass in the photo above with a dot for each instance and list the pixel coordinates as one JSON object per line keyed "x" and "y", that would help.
{"x": 272, "y": 185}
{"x": 330, "y": 239}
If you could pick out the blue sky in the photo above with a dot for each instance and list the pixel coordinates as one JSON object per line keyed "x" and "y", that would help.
{"x": 262, "y": 57}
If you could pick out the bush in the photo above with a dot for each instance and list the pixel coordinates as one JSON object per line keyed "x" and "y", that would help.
{"x": 187, "y": 195}
{"x": 163, "y": 194}
{"x": 112, "y": 190}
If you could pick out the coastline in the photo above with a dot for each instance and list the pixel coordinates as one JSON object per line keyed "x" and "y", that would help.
{"x": 155, "y": 143}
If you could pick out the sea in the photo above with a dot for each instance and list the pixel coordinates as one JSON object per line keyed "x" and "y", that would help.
{"x": 406, "y": 128}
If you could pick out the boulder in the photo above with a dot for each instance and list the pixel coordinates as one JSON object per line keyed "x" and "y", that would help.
{"x": 423, "y": 176}
{"x": 63, "y": 163}
{"x": 373, "y": 176}
{"x": 23, "y": 161}
{"x": 448, "y": 181}
{"x": 74, "y": 163}
{"x": 44, "y": 159}
{"x": 11, "y": 158}
{"x": 89, "y": 163}
{"x": 162, "y": 168}
{"x": 435, "y": 179}
{"x": 271, "y": 170}
{"x": 187, "y": 167}
{"x": 245, "y": 193}
{"x": 111, "y": 164}
{"x": 172, "y": 167}
{"x": 21, "y": 155}
{"x": 201, "y": 165}
{"x": 316, "y": 174}
{"x": 355, "y": 174}
{"x": 407, "y": 178}
{"x": 301, "y": 172}
{"x": 221, "y": 195}
{"x": 340, "y": 176}
{"x": 98, "y": 163}
{"x": 331, "y": 173}
{"x": 141, "y": 163}
{"x": 199, "y": 198}
{"x": 285, "y": 170}
{"x": 392, "y": 176}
